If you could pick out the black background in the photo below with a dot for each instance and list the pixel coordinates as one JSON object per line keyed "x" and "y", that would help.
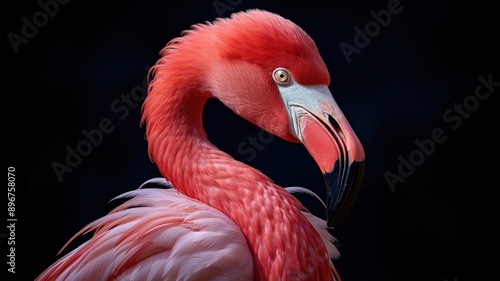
{"x": 434, "y": 226}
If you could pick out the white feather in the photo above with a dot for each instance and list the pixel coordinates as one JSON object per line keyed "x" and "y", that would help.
{"x": 298, "y": 189}
{"x": 158, "y": 181}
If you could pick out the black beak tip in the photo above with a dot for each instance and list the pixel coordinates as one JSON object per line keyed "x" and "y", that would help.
{"x": 343, "y": 184}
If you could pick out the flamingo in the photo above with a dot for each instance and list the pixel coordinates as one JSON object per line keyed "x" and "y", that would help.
{"x": 212, "y": 217}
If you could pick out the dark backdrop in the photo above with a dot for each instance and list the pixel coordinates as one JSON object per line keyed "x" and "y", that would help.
{"x": 415, "y": 79}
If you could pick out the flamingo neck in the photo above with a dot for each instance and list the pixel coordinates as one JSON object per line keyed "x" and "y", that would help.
{"x": 197, "y": 168}
{"x": 268, "y": 216}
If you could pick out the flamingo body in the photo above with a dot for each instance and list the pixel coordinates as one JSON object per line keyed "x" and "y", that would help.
{"x": 165, "y": 236}
{"x": 224, "y": 220}
{"x": 170, "y": 237}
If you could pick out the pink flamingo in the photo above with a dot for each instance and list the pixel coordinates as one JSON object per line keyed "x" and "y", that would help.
{"x": 222, "y": 219}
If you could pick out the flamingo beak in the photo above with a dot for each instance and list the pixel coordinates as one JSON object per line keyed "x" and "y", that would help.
{"x": 317, "y": 121}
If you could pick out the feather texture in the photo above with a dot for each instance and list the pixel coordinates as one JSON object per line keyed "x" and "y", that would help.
{"x": 158, "y": 234}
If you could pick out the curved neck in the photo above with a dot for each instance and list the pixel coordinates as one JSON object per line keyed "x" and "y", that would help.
{"x": 268, "y": 216}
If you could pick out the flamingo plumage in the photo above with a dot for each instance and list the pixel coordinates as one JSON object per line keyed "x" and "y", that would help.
{"x": 217, "y": 218}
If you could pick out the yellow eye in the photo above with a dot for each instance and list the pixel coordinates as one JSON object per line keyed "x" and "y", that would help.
{"x": 282, "y": 76}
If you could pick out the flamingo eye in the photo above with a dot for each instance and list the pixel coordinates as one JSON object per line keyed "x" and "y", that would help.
{"x": 282, "y": 76}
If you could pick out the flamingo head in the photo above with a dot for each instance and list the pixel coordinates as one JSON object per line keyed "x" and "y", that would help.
{"x": 269, "y": 71}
